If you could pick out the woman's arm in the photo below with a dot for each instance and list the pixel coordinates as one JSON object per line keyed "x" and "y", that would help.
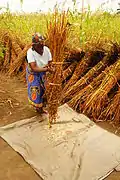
{"x": 35, "y": 68}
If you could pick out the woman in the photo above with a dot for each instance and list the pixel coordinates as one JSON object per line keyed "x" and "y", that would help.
{"x": 38, "y": 57}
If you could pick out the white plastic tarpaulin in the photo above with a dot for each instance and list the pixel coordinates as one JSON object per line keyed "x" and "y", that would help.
{"x": 74, "y": 148}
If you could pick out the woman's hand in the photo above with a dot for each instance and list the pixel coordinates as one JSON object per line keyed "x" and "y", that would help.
{"x": 45, "y": 68}
{"x": 49, "y": 69}
{"x": 35, "y": 68}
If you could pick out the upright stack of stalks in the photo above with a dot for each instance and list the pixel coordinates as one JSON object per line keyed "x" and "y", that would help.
{"x": 7, "y": 45}
{"x": 14, "y": 54}
{"x": 57, "y": 32}
{"x": 19, "y": 62}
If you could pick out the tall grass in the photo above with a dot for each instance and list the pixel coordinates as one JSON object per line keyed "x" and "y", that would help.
{"x": 94, "y": 27}
{"x": 23, "y": 25}
{"x": 85, "y": 28}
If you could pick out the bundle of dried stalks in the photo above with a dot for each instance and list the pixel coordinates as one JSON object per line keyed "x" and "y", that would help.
{"x": 11, "y": 47}
{"x": 4, "y": 48}
{"x": 13, "y": 57}
{"x": 96, "y": 103}
{"x": 79, "y": 98}
{"x": 57, "y": 31}
{"x": 20, "y": 43}
{"x": 16, "y": 47}
{"x": 112, "y": 111}
{"x": 1, "y": 63}
{"x": 84, "y": 81}
{"x": 98, "y": 44}
{"x": 14, "y": 40}
{"x": 19, "y": 61}
{"x": 90, "y": 75}
{"x": 4, "y": 37}
{"x": 7, "y": 56}
{"x": 69, "y": 70}
{"x": 80, "y": 69}
{"x": 72, "y": 55}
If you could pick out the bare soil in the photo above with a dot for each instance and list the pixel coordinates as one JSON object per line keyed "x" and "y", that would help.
{"x": 14, "y": 107}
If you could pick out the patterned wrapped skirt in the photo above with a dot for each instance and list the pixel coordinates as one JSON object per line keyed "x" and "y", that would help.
{"x": 36, "y": 87}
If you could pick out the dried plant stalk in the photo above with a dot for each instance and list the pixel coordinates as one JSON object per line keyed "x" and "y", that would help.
{"x": 7, "y": 54}
{"x": 1, "y": 62}
{"x": 112, "y": 111}
{"x": 80, "y": 69}
{"x": 57, "y": 30}
{"x": 5, "y": 37}
{"x": 19, "y": 61}
{"x": 21, "y": 44}
{"x": 16, "y": 47}
{"x": 89, "y": 76}
{"x": 72, "y": 55}
{"x": 13, "y": 57}
{"x": 95, "y": 104}
{"x": 15, "y": 42}
{"x": 69, "y": 70}
{"x": 79, "y": 98}
{"x": 85, "y": 80}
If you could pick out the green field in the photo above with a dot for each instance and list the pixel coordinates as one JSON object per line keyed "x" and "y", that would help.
{"x": 85, "y": 29}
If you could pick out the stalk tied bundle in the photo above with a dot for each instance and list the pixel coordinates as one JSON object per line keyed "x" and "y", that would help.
{"x": 57, "y": 31}
{"x": 96, "y": 103}
{"x": 112, "y": 111}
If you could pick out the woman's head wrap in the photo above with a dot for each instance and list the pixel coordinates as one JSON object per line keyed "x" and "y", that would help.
{"x": 37, "y": 38}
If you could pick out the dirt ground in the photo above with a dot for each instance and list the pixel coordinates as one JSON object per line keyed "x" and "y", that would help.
{"x": 14, "y": 107}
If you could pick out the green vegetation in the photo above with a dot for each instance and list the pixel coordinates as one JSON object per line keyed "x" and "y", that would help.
{"x": 85, "y": 28}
